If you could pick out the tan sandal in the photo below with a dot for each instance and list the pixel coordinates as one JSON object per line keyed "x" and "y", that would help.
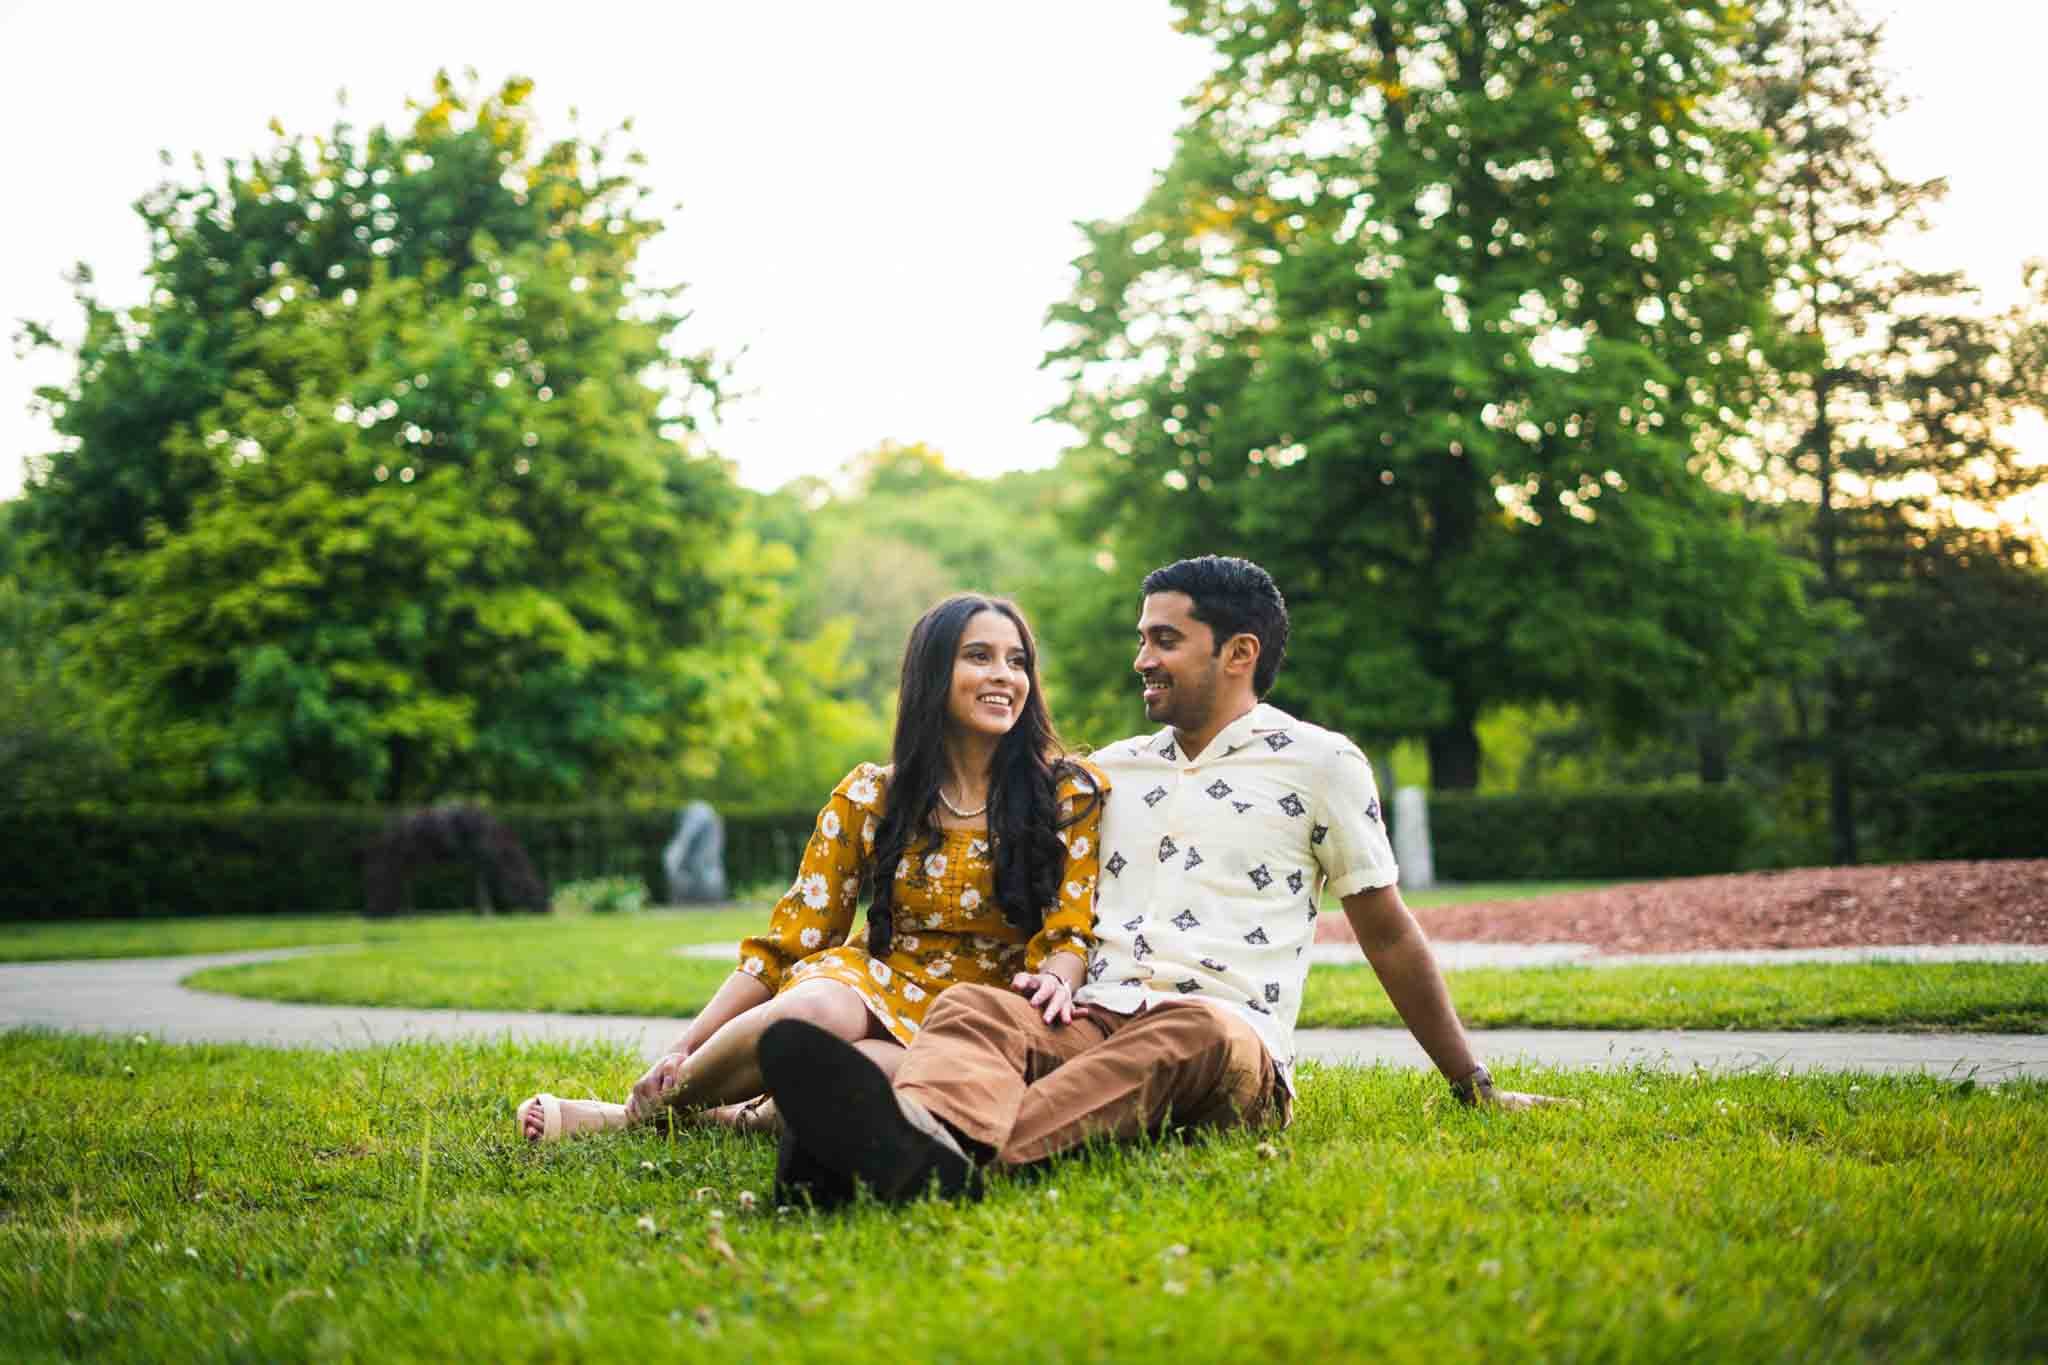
{"x": 554, "y": 1128}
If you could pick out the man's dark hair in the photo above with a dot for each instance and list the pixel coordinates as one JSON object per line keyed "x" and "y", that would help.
{"x": 1232, "y": 597}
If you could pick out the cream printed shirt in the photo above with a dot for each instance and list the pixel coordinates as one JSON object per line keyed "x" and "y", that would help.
{"x": 1212, "y": 867}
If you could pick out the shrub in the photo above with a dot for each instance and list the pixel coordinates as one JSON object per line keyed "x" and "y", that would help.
{"x": 1980, "y": 815}
{"x": 65, "y": 863}
{"x": 600, "y": 896}
{"x": 1666, "y": 832}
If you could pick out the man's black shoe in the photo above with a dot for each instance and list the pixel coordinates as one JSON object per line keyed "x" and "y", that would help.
{"x": 846, "y": 1118}
{"x": 801, "y": 1178}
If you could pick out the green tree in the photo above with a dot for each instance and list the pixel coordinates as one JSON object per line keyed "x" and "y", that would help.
{"x": 1435, "y": 312}
{"x": 1887, "y": 433}
{"x": 388, "y": 489}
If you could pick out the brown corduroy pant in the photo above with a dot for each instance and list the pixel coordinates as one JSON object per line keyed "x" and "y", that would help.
{"x": 988, "y": 1064}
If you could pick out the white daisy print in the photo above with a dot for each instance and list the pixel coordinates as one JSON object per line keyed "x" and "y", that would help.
{"x": 815, "y": 894}
{"x": 1066, "y": 808}
{"x": 828, "y": 824}
{"x": 1079, "y": 848}
{"x": 867, "y": 831}
{"x": 935, "y": 866}
{"x": 879, "y": 970}
{"x": 752, "y": 966}
{"x": 941, "y": 966}
{"x": 977, "y": 849}
{"x": 811, "y": 937}
{"x": 912, "y": 992}
{"x": 902, "y": 868}
{"x": 933, "y": 920}
{"x": 909, "y": 943}
{"x": 984, "y": 944}
{"x": 850, "y": 888}
{"x": 969, "y": 898}
{"x": 862, "y": 791}
{"x": 1074, "y": 890}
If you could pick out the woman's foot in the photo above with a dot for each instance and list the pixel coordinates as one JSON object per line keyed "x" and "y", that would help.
{"x": 757, "y": 1115}
{"x": 545, "y": 1118}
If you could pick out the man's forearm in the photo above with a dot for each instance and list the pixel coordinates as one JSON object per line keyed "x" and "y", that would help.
{"x": 1408, "y": 972}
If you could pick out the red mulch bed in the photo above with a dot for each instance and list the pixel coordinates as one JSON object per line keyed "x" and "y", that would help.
{"x": 1808, "y": 907}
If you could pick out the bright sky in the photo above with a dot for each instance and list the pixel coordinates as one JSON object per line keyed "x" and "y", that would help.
{"x": 877, "y": 200}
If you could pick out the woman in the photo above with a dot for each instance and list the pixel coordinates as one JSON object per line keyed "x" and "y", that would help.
{"x": 976, "y": 847}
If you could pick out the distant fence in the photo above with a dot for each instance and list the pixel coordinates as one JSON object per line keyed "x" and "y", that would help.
{"x": 61, "y": 863}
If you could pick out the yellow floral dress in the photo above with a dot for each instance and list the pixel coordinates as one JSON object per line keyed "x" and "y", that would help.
{"x": 948, "y": 927}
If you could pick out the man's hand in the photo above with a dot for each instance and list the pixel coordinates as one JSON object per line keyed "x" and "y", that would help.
{"x": 650, "y": 1089}
{"x": 1048, "y": 992}
{"x": 1514, "y": 1101}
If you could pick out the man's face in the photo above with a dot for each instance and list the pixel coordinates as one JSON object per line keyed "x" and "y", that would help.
{"x": 1178, "y": 661}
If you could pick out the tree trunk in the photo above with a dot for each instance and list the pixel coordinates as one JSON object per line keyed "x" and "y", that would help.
{"x": 1710, "y": 742}
{"x": 1454, "y": 755}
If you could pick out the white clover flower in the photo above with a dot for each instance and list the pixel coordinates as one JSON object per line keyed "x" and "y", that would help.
{"x": 811, "y": 937}
{"x": 828, "y": 824}
{"x": 935, "y": 866}
{"x": 969, "y": 899}
{"x": 815, "y": 894}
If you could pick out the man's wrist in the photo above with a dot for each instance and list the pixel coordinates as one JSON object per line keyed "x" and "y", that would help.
{"x": 1474, "y": 1087}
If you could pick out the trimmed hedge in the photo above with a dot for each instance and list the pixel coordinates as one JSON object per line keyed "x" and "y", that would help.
{"x": 63, "y": 863}
{"x": 1980, "y": 815}
{"x": 1667, "y": 832}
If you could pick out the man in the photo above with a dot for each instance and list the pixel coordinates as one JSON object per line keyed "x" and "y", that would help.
{"x": 1222, "y": 831}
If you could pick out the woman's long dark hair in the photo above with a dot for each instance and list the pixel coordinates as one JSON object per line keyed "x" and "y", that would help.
{"x": 1023, "y": 807}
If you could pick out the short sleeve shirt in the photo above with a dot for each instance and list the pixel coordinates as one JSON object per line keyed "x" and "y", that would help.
{"x": 1212, "y": 867}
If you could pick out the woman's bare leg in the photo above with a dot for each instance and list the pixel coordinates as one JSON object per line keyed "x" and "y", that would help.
{"x": 726, "y": 1068}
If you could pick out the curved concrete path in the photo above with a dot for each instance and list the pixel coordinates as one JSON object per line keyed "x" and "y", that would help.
{"x": 144, "y": 996}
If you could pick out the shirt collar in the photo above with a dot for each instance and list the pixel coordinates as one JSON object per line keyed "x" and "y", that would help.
{"x": 1261, "y": 720}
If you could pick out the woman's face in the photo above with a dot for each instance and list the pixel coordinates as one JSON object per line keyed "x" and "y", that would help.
{"x": 990, "y": 678}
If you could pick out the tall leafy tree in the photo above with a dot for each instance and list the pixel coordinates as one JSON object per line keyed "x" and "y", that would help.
{"x": 1434, "y": 312}
{"x": 1887, "y": 433}
{"x": 388, "y": 490}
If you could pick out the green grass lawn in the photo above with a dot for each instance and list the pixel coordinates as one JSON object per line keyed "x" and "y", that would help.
{"x": 170, "y": 1203}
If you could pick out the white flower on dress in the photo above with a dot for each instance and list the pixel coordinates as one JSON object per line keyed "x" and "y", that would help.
{"x": 828, "y": 824}
{"x": 867, "y": 832}
{"x": 934, "y": 920}
{"x": 969, "y": 898}
{"x": 909, "y": 1025}
{"x": 984, "y": 943}
{"x": 862, "y": 791}
{"x": 909, "y": 943}
{"x": 1074, "y": 890}
{"x": 752, "y": 966}
{"x": 912, "y": 992}
{"x": 811, "y": 937}
{"x": 935, "y": 866}
{"x": 1066, "y": 808}
{"x": 902, "y": 868}
{"x": 1079, "y": 848}
{"x": 977, "y": 849}
{"x": 941, "y": 966}
{"x": 879, "y": 970}
{"x": 988, "y": 964}
{"x": 850, "y": 888}
{"x": 815, "y": 894}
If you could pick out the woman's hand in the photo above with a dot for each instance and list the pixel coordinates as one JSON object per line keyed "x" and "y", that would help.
{"x": 1048, "y": 992}
{"x": 650, "y": 1089}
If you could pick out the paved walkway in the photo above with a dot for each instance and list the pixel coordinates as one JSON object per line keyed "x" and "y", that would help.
{"x": 143, "y": 996}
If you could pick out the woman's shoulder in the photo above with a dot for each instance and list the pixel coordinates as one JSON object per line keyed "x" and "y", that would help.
{"x": 1079, "y": 776}
{"x": 865, "y": 785}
